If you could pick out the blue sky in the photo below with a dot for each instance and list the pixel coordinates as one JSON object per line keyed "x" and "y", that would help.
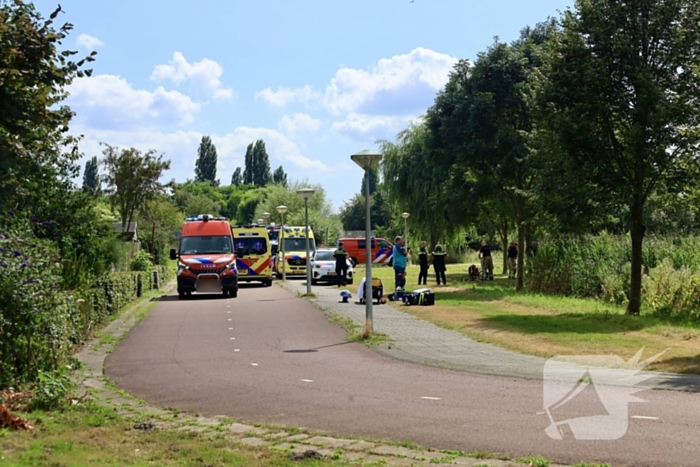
{"x": 318, "y": 80}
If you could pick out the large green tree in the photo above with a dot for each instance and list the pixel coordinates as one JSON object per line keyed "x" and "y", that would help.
{"x": 34, "y": 74}
{"x": 415, "y": 184}
{"x": 621, "y": 97}
{"x": 261, "y": 164}
{"x": 91, "y": 177}
{"x": 132, "y": 178}
{"x": 205, "y": 166}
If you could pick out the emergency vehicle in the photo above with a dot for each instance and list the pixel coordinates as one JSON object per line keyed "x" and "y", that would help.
{"x": 253, "y": 258}
{"x": 206, "y": 260}
{"x": 382, "y": 250}
{"x": 294, "y": 239}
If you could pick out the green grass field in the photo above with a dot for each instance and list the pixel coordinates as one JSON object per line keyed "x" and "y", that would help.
{"x": 546, "y": 325}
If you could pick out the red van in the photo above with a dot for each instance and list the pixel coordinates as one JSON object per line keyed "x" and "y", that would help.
{"x": 382, "y": 250}
{"x": 206, "y": 260}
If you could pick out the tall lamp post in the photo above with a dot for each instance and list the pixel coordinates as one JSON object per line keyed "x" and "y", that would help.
{"x": 282, "y": 209}
{"x": 266, "y": 216}
{"x": 307, "y": 193}
{"x": 367, "y": 160}
{"x": 405, "y": 227}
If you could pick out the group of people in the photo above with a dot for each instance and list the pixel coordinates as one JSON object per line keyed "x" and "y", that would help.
{"x": 400, "y": 261}
{"x": 438, "y": 257}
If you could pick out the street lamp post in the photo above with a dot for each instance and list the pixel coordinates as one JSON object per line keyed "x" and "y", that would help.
{"x": 261, "y": 221}
{"x": 405, "y": 227}
{"x": 282, "y": 209}
{"x": 307, "y": 193}
{"x": 367, "y": 160}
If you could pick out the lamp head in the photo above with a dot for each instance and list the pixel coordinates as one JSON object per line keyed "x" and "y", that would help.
{"x": 306, "y": 193}
{"x": 282, "y": 209}
{"x": 405, "y": 215}
{"x": 366, "y": 159}
{"x": 265, "y": 215}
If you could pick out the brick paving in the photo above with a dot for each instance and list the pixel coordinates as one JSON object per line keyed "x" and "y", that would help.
{"x": 419, "y": 341}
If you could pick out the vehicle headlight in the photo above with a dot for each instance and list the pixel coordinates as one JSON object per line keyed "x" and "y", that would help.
{"x": 181, "y": 268}
{"x": 233, "y": 267}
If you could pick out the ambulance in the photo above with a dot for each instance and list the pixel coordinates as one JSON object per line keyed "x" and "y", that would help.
{"x": 293, "y": 239}
{"x": 253, "y": 256}
{"x": 206, "y": 262}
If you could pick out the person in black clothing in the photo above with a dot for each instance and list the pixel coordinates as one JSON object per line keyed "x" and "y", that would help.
{"x": 486, "y": 260}
{"x": 423, "y": 262}
{"x": 341, "y": 264}
{"x": 512, "y": 259}
{"x": 439, "y": 257}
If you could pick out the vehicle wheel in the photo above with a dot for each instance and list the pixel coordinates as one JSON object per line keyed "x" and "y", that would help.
{"x": 353, "y": 261}
{"x": 233, "y": 293}
{"x": 391, "y": 263}
{"x": 224, "y": 293}
{"x": 269, "y": 283}
{"x": 181, "y": 295}
{"x": 314, "y": 282}
{"x": 189, "y": 294}
{"x": 350, "y": 282}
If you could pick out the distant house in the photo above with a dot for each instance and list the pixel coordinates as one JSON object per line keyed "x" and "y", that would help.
{"x": 131, "y": 233}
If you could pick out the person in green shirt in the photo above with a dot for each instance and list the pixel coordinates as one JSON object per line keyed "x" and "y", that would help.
{"x": 439, "y": 256}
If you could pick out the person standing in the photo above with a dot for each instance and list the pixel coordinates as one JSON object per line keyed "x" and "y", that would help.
{"x": 341, "y": 264}
{"x": 423, "y": 262}
{"x": 512, "y": 259}
{"x": 486, "y": 260}
{"x": 439, "y": 256}
{"x": 399, "y": 261}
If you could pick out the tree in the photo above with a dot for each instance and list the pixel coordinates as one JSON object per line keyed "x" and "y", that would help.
{"x": 91, "y": 177}
{"x": 249, "y": 170}
{"x": 237, "y": 177}
{"x": 373, "y": 182}
{"x": 261, "y": 165}
{"x": 414, "y": 184}
{"x": 621, "y": 98}
{"x": 484, "y": 126}
{"x": 279, "y": 177}
{"x": 33, "y": 76}
{"x": 205, "y": 167}
{"x": 132, "y": 179}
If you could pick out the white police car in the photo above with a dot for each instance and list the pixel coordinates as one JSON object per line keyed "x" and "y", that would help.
{"x": 323, "y": 267}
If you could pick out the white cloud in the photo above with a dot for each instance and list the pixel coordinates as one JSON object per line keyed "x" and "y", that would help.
{"x": 204, "y": 75}
{"x": 109, "y": 102}
{"x": 298, "y": 123}
{"x": 369, "y": 128}
{"x": 400, "y": 84}
{"x": 285, "y": 96}
{"x": 88, "y": 41}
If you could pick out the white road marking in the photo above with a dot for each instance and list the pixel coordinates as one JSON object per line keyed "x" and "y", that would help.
{"x": 230, "y": 329}
{"x": 254, "y": 364}
{"x": 233, "y": 338}
{"x": 431, "y": 398}
{"x": 308, "y": 380}
{"x": 236, "y": 350}
{"x": 228, "y": 312}
{"x": 230, "y": 319}
{"x": 541, "y": 413}
{"x": 645, "y": 417}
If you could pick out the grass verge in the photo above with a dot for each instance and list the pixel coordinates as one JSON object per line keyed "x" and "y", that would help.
{"x": 93, "y": 435}
{"x": 544, "y": 325}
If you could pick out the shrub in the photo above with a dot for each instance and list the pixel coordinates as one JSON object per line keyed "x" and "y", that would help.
{"x": 141, "y": 261}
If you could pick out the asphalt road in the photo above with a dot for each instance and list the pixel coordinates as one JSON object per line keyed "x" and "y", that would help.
{"x": 268, "y": 356}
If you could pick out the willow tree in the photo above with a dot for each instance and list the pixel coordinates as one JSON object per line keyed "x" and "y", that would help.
{"x": 415, "y": 184}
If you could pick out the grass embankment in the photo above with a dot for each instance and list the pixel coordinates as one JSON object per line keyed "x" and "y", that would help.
{"x": 92, "y": 435}
{"x": 545, "y": 325}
